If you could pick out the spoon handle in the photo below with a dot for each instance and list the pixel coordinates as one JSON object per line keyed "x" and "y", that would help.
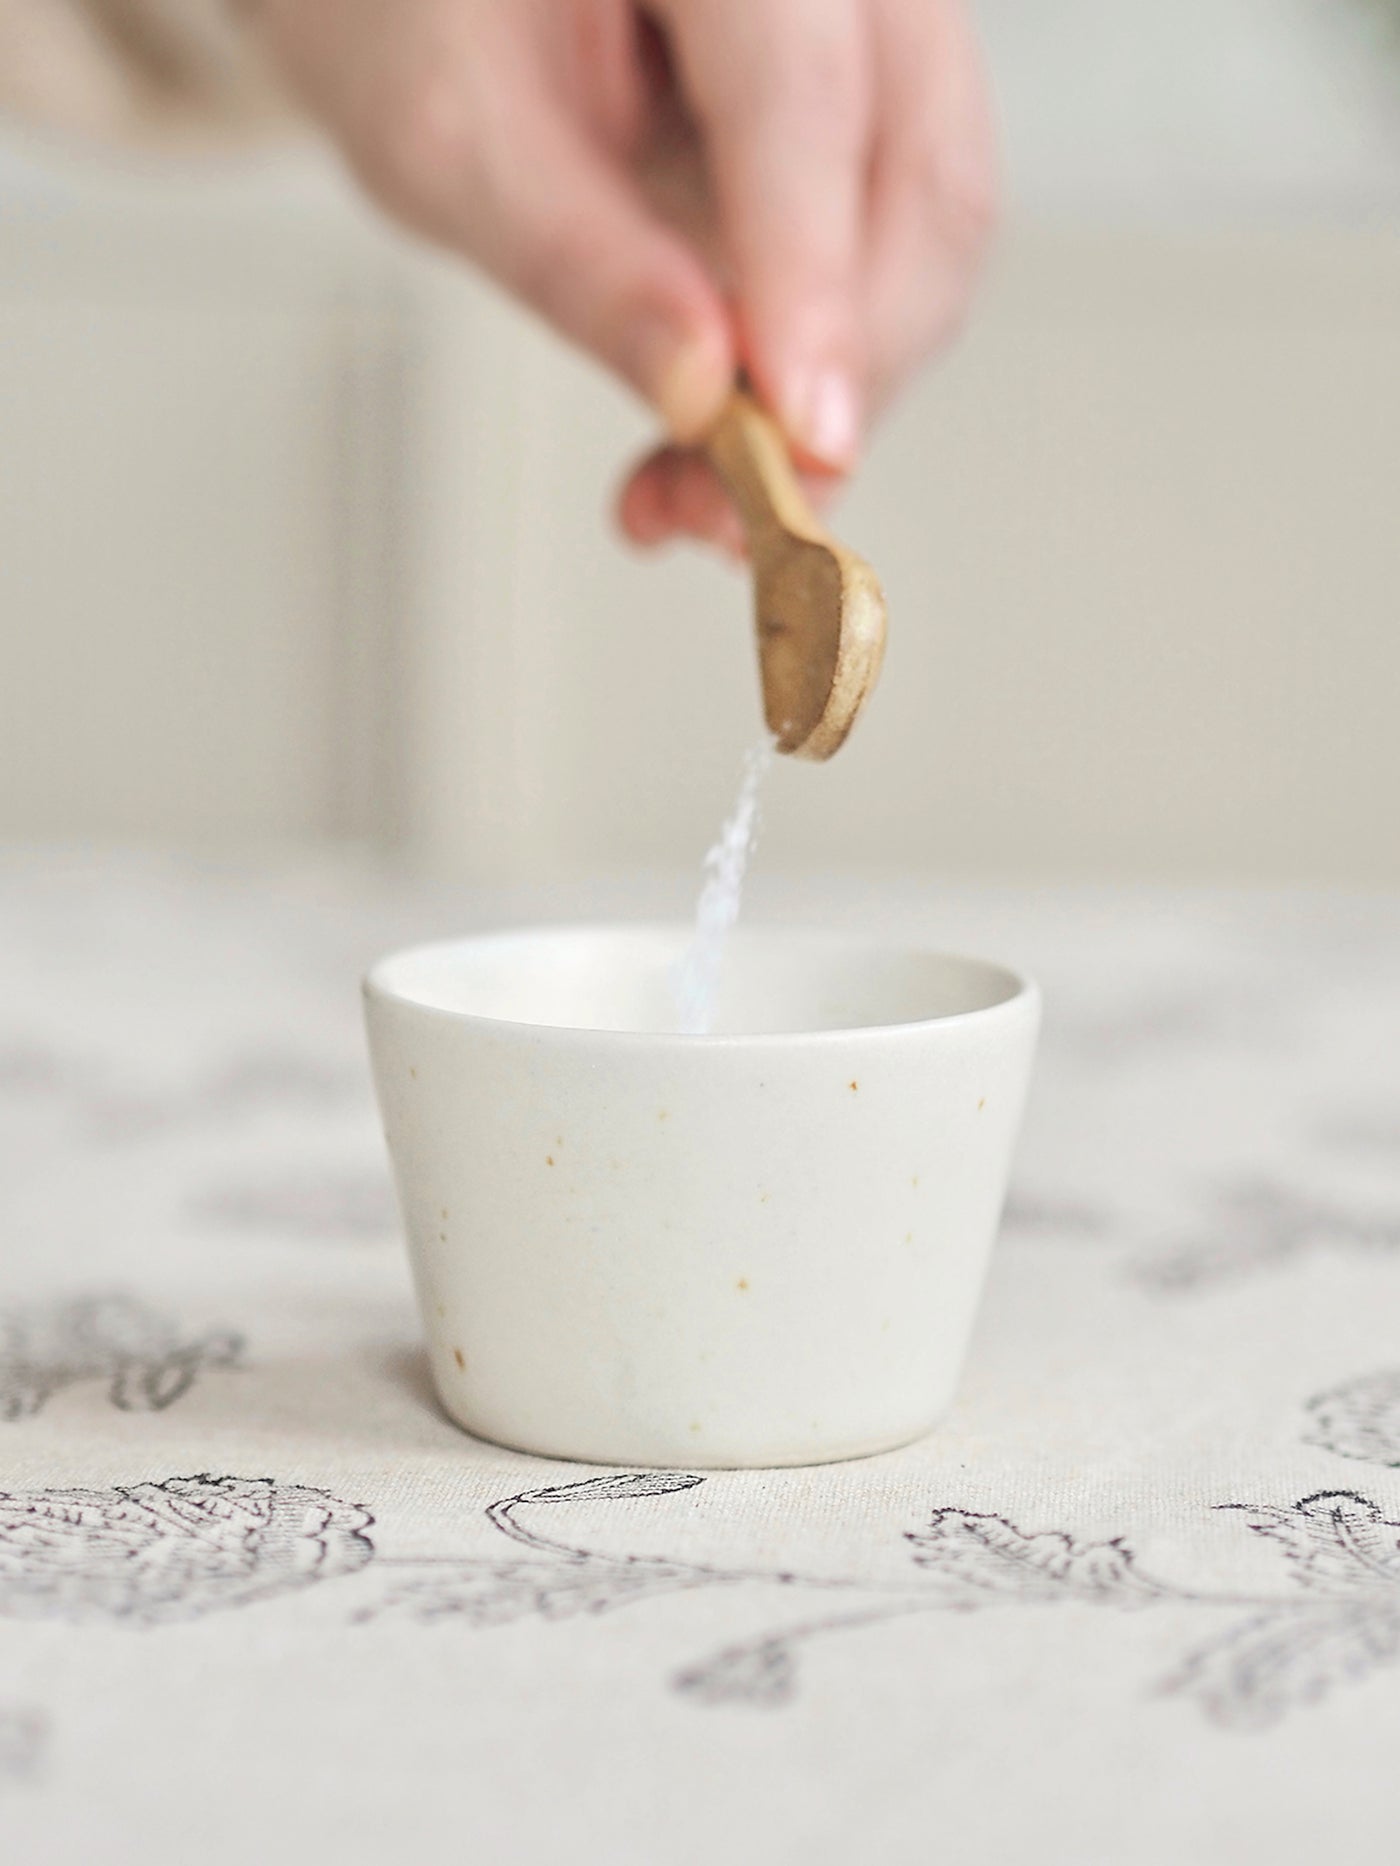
{"x": 751, "y": 457}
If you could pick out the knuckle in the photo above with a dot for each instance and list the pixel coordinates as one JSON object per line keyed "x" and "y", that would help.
{"x": 429, "y": 133}
{"x": 827, "y": 87}
{"x": 958, "y": 191}
{"x": 819, "y": 91}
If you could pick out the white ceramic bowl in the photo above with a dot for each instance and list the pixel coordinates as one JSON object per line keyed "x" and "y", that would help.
{"x": 760, "y": 1247}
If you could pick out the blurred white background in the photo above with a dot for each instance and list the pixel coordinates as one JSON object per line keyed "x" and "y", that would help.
{"x": 303, "y": 532}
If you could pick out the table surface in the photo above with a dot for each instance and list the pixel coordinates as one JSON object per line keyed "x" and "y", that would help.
{"x": 1137, "y": 1600}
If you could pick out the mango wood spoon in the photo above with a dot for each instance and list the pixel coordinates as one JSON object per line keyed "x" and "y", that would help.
{"x": 818, "y": 608}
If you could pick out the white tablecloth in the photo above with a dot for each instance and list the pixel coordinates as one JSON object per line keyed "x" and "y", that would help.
{"x": 1137, "y": 1601}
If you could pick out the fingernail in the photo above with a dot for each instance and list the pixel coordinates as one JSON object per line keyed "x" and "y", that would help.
{"x": 823, "y": 416}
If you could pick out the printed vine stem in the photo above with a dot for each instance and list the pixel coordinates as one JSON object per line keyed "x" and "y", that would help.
{"x": 1291, "y": 1650}
{"x": 155, "y": 1553}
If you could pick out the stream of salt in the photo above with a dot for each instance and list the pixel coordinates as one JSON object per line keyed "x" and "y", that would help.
{"x": 698, "y": 973}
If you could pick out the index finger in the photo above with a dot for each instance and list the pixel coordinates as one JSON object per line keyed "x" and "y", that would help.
{"x": 782, "y": 93}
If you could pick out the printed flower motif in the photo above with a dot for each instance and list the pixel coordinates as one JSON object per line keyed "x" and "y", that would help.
{"x": 1345, "y": 1553}
{"x": 968, "y": 1561}
{"x": 1339, "y": 1619}
{"x": 155, "y": 1553}
{"x": 158, "y": 1552}
{"x": 146, "y": 1362}
{"x": 978, "y": 1559}
{"x": 1333, "y": 1540}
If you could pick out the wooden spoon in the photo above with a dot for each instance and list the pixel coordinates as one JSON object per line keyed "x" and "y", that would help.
{"x": 818, "y": 608}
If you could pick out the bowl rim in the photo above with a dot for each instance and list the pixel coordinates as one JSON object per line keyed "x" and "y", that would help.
{"x": 1023, "y": 997}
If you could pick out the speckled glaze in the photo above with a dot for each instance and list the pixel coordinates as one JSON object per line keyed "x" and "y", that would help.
{"x": 636, "y": 1247}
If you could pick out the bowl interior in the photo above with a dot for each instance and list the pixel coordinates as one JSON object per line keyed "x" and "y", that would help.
{"x": 773, "y": 981}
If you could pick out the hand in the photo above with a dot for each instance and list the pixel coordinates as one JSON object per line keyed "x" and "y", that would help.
{"x": 802, "y": 188}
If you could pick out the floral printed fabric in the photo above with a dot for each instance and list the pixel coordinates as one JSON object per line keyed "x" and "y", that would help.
{"x": 1138, "y": 1599}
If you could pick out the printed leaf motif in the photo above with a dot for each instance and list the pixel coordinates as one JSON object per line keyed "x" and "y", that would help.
{"x": 1028, "y": 1215}
{"x": 1360, "y": 1419}
{"x": 556, "y": 1582}
{"x": 27, "y": 1068}
{"x": 979, "y": 1559}
{"x": 614, "y": 1487}
{"x": 258, "y": 1083}
{"x": 495, "y": 1594}
{"x": 1363, "y": 1131}
{"x": 22, "y": 1734}
{"x": 156, "y": 1552}
{"x": 1260, "y": 1226}
{"x": 350, "y": 1208}
{"x": 1334, "y": 1540}
{"x": 1289, "y": 1658}
{"x": 762, "y": 1675}
{"x": 611, "y": 1487}
{"x": 161, "y": 1552}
